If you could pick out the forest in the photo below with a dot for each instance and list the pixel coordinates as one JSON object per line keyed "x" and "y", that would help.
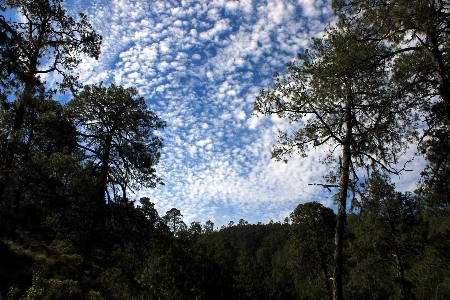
{"x": 377, "y": 83}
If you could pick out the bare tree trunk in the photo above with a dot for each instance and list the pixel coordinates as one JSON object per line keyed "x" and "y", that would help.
{"x": 342, "y": 203}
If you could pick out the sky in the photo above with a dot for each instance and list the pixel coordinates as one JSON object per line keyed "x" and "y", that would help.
{"x": 200, "y": 65}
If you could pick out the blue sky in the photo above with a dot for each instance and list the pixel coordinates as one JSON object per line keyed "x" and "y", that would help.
{"x": 200, "y": 65}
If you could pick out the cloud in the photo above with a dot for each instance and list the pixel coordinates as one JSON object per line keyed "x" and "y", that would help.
{"x": 277, "y": 11}
{"x": 200, "y": 65}
{"x": 204, "y": 142}
{"x": 311, "y": 8}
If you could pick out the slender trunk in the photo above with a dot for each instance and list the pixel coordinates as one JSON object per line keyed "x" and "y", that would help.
{"x": 446, "y": 189}
{"x": 323, "y": 265}
{"x": 89, "y": 248}
{"x": 105, "y": 162}
{"x": 10, "y": 144}
{"x": 94, "y": 218}
{"x": 398, "y": 261}
{"x": 401, "y": 276}
{"x": 441, "y": 74}
{"x": 342, "y": 203}
{"x": 23, "y": 177}
{"x": 13, "y": 139}
{"x": 12, "y": 151}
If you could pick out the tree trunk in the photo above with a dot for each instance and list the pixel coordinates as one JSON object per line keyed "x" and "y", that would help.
{"x": 105, "y": 164}
{"x": 441, "y": 74}
{"x": 12, "y": 139}
{"x": 323, "y": 265}
{"x": 342, "y": 202}
{"x": 401, "y": 277}
{"x": 12, "y": 148}
{"x": 398, "y": 261}
{"x": 86, "y": 266}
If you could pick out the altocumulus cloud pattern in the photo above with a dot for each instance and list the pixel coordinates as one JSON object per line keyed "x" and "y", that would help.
{"x": 200, "y": 65}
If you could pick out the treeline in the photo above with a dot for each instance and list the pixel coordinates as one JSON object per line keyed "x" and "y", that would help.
{"x": 395, "y": 248}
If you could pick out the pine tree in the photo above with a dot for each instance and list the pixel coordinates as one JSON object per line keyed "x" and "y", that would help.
{"x": 349, "y": 107}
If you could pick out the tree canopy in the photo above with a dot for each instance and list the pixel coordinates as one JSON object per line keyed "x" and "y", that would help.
{"x": 116, "y": 131}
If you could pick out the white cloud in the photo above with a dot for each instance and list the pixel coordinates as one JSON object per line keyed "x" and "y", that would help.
{"x": 193, "y": 150}
{"x": 277, "y": 12}
{"x": 309, "y": 8}
{"x": 149, "y": 53}
{"x": 201, "y": 65}
{"x": 240, "y": 115}
{"x": 219, "y": 27}
{"x": 204, "y": 142}
{"x": 225, "y": 116}
{"x": 193, "y": 32}
{"x": 253, "y": 122}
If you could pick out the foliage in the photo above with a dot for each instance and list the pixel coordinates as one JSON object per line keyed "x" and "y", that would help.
{"x": 44, "y": 40}
{"x": 418, "y": 32}
{"x": 116, "y": 129}
{"x": 312, "y": 234}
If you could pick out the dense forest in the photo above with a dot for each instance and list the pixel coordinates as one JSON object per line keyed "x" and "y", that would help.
{"x": 378, "y": 82}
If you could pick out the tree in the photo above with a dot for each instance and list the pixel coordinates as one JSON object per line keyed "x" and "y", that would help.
{"x": 418, "y": 33}
{"x": 195, "y": 229}
{"x": 312, "y": 241}
{"x": 208, "y": 227}
{"x": 418, "y": 36}
{"x": 173, "y": 219}
{"x": 116, "y": 131}
{"x": 349, "y": 107}
{"x": 47, "y": 135}
{"x": 150, "y": 212}
{"x": 44, "y": 40}
{"x": 242, "y": 222}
